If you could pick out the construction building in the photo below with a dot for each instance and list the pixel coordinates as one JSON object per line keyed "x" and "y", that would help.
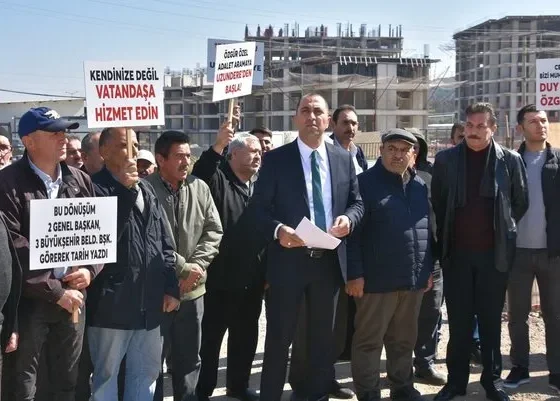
{"x": 495, "y": 63}
{"x": 365, "y": 68}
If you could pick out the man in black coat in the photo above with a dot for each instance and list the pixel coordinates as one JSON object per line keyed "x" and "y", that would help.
{"x": 129, "y": 297}
{"x": 235, "y": 284}
{"x": 479, "y": 193}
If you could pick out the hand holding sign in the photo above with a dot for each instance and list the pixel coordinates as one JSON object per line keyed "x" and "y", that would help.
{"x": 128, "y": 174}
{"x": 79, "y": 279}
{"x": 70, "y": 300}
{"x": 224, "y": 138}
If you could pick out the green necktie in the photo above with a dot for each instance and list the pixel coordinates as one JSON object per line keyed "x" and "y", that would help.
{"x": 318, "y": 207}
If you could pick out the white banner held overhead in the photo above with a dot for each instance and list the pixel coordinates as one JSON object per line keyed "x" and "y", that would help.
{"x": 72, "y": 232}
{"x": 234, "y": 70}
{"x": 548, "y": 84}
{"x": 124, "y": 93}
{"x": 258, "y": 65}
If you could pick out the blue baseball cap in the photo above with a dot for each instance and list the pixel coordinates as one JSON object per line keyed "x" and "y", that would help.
{"x": 44, "y": 119}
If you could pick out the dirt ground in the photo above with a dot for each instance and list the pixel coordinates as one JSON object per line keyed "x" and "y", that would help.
{"x": 537, "y": 390}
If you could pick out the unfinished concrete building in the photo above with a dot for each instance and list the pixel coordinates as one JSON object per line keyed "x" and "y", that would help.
{"x": 364, "y": 68}
{"x": 496, "y": 62}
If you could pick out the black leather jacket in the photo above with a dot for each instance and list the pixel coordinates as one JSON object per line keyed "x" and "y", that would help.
{"x": 507, "y": 180}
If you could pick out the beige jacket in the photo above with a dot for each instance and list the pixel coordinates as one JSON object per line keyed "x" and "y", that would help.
{"x": 198, "y": 231}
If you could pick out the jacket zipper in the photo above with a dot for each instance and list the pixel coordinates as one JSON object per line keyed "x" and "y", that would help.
{"x": 414, "y": 232}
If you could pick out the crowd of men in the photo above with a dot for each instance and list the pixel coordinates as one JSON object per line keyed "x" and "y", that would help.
{"x": 200, "y": 247}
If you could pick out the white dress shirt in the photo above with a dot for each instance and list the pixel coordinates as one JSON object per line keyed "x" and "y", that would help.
{"x": 353, "y": 151}
{"x": 326, "y": 187}
{"x": 52, "y": 188}
{"x": 325, "y": 172}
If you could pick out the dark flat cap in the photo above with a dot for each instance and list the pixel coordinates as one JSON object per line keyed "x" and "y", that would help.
{"x": 397, "y": 134}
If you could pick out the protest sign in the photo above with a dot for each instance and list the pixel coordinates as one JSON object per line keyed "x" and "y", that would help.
{"x": 72, "y": 232}
{"x": 258, "y": 62}
{"x": 124, "y": 93}
{"x": 548, "y": 84}
{"x": 234, "y": 70}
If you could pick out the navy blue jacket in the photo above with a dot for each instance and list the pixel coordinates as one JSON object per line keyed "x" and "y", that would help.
{"x": 128, "y": 294}
{"x": 391, "y": 248}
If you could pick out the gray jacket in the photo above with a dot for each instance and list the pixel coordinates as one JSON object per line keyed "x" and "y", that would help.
{"x": 505, "y": 178}
{"x": 198, "y": 231}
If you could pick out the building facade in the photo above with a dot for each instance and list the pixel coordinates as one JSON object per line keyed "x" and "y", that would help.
{"x": 365, "y": 69}
{"x": 496, "y": 63}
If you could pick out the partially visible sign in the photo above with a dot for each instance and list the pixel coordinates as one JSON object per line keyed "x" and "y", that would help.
{"x": 124, "y": 93}
{"x": 258, "y": 63}
{"x": 72, "y": 232}
{"x": 548, "y": 84}
{"x": 234, "y": 70}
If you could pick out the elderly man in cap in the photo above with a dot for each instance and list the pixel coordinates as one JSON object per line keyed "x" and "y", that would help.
{"x": 49, "y": 296}
{"x": 146, "y": 163}
{"x": 389, "y": 269}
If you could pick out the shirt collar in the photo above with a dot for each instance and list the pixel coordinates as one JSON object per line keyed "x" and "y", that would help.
{"x": 305, "y": 151}
{"x": 169, "y": 186}
{"x": 44, "y": 176}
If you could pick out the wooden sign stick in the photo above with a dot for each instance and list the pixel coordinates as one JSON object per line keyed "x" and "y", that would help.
{"x": 75, "y": 311}
{"x": 230, "y": 111}
{"x": 129, "y": 142}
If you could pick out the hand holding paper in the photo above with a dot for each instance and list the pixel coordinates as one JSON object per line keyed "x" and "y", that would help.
{"x": 314, "y": 237}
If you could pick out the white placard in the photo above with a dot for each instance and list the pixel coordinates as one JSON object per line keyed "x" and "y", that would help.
{"x": 548, "y": 84}
{"x": 234, "y": 70}
{"x": 72, "y": 232}
{"x": 124, "y": 93}
{"x": 258, "y": 64}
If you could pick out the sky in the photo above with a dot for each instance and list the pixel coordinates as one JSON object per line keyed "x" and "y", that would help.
{"x": 43, "y": 44}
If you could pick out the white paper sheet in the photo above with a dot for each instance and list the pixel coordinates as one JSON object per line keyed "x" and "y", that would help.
{"x": 314, "y": 237}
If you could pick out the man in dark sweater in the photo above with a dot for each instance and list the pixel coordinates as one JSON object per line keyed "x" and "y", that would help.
{"x": 389, "y": 268}
{"x": 479, "y": 193}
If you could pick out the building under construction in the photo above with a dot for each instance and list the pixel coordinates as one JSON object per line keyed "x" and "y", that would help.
{"x": 365, "y": 68}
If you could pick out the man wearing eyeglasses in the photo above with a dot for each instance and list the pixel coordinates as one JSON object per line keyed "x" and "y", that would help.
{"x": 5, "y": 152}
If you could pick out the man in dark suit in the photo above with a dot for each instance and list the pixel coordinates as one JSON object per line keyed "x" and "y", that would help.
{"x": 306, "y": 178}
{"x": 345, "y": 125}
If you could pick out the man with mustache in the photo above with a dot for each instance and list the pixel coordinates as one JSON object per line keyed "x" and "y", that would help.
{"x": 194, "y": 224}
{"x": 538, "y": 251}
{"x": 389, "y": 269}
{"x": 479, "y": 193}
{"x": 235, "y": 284}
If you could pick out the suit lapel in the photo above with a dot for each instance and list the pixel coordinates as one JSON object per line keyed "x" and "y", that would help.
{"x": 335, "y": 175}
{"x": 297, "y": 170}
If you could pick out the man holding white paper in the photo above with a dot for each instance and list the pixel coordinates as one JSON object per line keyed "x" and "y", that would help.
{"x": 313, "y": 179}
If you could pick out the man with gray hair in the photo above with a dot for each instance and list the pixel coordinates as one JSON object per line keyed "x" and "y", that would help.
{"x": 235, "y": 283}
